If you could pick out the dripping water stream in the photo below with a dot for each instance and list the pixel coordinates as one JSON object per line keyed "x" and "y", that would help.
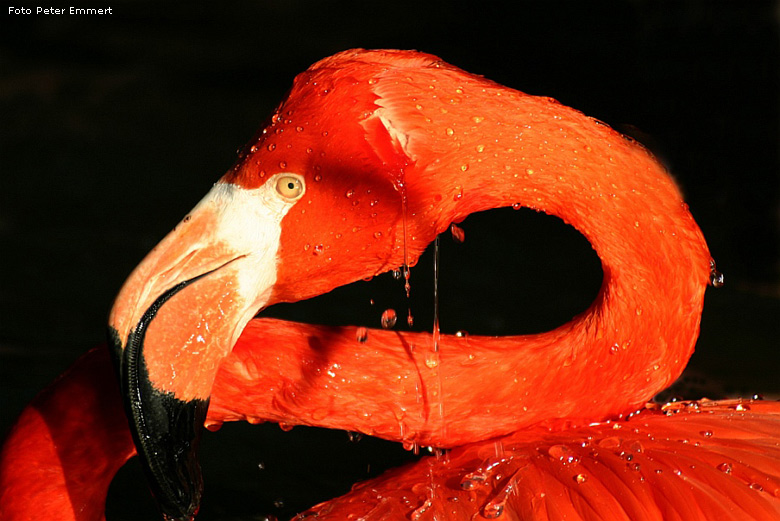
{"x": 433, "y": 359}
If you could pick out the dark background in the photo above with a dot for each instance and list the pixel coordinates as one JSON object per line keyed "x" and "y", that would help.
{"x": 114, "y": 126}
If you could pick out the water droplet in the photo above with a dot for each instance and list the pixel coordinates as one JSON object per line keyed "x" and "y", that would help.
{"x": 706, "y": 434}
{"x": 462, "y": 334}
{"x": 397, "y": 274}
{"x": 378, "y": 235}
{"x": 279, "y": 503}
{"x": 361, "y": 334}
{"x": 389, "y": 318}
{"x": 580, "y": 478}
{"x": 614, "y": 349}
{"x": 563, "y": 454}
{"x": 741, "y": 407}
{"x": 261, "y": 466}
{"x": 757, "y": 487}
{"x": 530, "y": 171}
{"x": 213, "y": 426}
{"x": 432, "y": 360}
{"x": 478, "y": 119}
{"x": 470, "y": 484}
{"x": 458, "y": 235}
{"x": 271, "y": 147}
{"x": 516, "y": 206}
{"x": 480, "y": 148}
{"x": 409, "y": 319}
{"x": 354, "y": 437}
{"x": 450, "y": 131}
{"x": 638, "y": 311}
{"x": 463, "y": 168}
{"x": 253, "y": 149}
{"x": 611, "y": 442}
{"x": 299, "y": 129}
{"x": 493, "y": 510}
{"x": 317, "y": 178}
{"x": 318, "y": 249}
{"x": 717, "y": 280}
{"x": 282, "y": 164}
{"x": 724, "y": 467}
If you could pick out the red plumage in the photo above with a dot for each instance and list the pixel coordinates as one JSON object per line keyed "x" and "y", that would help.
{"x": 394, "y": 146}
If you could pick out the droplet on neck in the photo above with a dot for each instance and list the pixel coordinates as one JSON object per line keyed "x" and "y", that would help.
{"x": 724, "y": 467}
{"x": 458, "y": 235}
{"x": 361, "y": 334}
{"x": 716, "y": 278}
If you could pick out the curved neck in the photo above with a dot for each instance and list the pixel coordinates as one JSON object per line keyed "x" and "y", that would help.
{"x": 472, "y": 145}
{"x": 500, "y": 148}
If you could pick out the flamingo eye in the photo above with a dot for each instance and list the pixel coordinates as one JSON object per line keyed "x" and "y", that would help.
{"x": 290, "y": 186}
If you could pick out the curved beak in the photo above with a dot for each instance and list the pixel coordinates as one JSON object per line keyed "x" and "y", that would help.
{"x": 176, "y": 317}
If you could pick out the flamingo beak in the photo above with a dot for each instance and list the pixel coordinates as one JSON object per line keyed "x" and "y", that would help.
{"x": 178, "y": 315}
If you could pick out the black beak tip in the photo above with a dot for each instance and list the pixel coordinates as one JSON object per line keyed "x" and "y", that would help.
{"x": 165, "y": 429}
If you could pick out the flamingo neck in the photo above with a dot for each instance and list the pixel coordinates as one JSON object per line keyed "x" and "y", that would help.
{"x": 499, "y": 147}
{"x": 59, "y": 459}
{"x": 512, "y": 149}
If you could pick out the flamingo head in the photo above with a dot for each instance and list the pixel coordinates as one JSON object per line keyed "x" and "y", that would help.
{"x": 318, "y": 199}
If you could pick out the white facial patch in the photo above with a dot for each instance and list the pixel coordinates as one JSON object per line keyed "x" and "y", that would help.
{"x": 250, "y": 222}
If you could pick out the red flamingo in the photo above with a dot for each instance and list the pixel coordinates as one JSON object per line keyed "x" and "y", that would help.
{"x": 372, "y": 154}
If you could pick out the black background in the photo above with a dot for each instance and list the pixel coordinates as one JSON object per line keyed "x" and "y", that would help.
{"x": 114, "y": 126}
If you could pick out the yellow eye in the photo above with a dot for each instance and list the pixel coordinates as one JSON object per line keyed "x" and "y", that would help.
{"x": 290, "y": 187}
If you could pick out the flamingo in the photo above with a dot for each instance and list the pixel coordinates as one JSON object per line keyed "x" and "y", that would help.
{"x": 368, "y": 159}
